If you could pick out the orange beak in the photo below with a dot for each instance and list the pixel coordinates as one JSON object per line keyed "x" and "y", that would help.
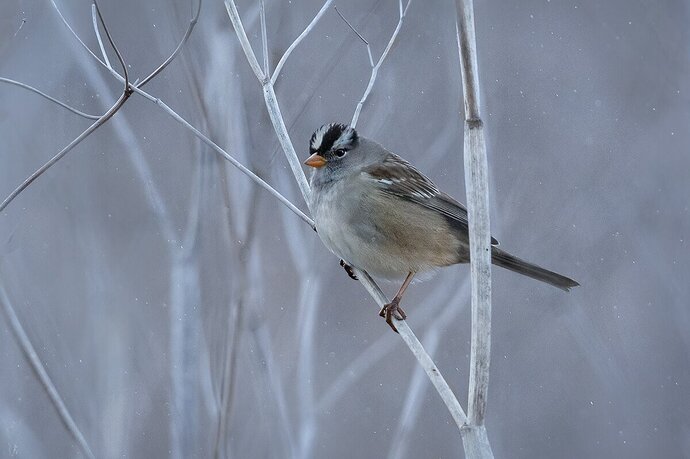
{"x": 316, "y": 160}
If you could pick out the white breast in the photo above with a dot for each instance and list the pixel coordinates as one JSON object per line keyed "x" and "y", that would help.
{"x": 360, "y": 247}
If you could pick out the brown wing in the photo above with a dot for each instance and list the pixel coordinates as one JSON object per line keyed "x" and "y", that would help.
{"x": 398, "y": 177}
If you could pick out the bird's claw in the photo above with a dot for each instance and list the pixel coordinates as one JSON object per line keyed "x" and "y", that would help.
{"x": 391, "y": 310}
{"x": 348, "y": 269}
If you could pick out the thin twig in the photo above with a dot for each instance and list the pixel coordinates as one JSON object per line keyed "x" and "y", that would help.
{"x": 64, "y": 151}
{"x": 94, "y": 19}
{"x": 432, "y": 336}
{"x": 125, "y": 75}
{"x": 382, "y": 347}
{"x": 371, "y": 58}
{"x": 411, "y": 406}
{"x": 264, "y": 38}
{"x": 352, "y": 28}
{"x": 67, "y": 24}
{"x": 375, "y": 69}
{"x": 233, "y": 161}
{"x": 196, "y": 132}
{"x": 177, "y": 50}
{"x": 297, "y": 41}
{"x": 99, "y": 122}
{"x": 420, "y": 353}
{"x": 271, "y": 102}
{"x": 50, "y": 98}
{"x": 244, "y": 41}
{"x": 285, "y": 142}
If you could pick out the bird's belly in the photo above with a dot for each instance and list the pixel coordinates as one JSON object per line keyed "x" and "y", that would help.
{"x": 389, "y": 246}
{"x": 363, "y": 253}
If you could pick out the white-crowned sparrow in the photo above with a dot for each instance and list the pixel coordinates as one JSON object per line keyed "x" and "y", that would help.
{"x": 378, "y": 213}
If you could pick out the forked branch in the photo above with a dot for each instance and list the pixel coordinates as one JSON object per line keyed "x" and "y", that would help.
{"x": 406, "y": 333}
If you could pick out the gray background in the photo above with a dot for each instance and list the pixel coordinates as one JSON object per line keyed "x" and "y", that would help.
{"x": 142, "y": 264}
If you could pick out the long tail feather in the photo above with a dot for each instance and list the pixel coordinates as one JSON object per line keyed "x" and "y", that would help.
{"x": 508, "y": 261}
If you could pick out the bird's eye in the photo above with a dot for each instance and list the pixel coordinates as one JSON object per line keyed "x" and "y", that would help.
{"x": 340, "y": 152}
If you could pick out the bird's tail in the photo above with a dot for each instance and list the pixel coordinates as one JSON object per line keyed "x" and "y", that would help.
{"x": 508, "y": 261}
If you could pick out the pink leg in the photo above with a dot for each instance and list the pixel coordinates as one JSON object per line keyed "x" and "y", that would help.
{"x": 393, "y": 308}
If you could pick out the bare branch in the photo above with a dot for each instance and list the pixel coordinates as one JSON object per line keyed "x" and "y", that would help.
{"x": 31, "y": 355}
{"x": 264, "y": 38}
{"x": 177, "y": 50}
{"x": 375, "y": 69}
{"x": 50, "y": 98}
{"x": 64, "y": 21}
{"x": 232, "y": 160}
{"x": 420, "y": 353}
{"x": 413, "y": 400}
{"x": 371, "y": 58}
{"x": 187, "y": 125}
{"x": 380, "y": 348}
{"x": 285, "y": 142}
{"x": 165, "y": 63}
{"x": 117, "y": 51}
{"x": 244, "y": 41}
{"x": 297, "y": 41}
{"x": 98, "y": 35}
{"x": 126, "y": 92}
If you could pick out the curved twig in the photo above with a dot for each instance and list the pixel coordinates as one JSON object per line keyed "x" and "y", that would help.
{"x": 371, "y": 58}
{"x": 137, "y": 89}
{"x": 126, "y": 92}
{"x": 112, "y": 44}
{"x": 234, "y": 16}
{"x": 375, "y": 69}
{"x": 233, "y": 161}
{"x": 297, "y": 41}
{"x": 98, "y": 35}
{"x": 50, "y": 98}
{"x": 177, "y": 50}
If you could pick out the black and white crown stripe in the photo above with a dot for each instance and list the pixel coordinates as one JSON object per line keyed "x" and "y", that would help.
{"x": 332, "y": 137}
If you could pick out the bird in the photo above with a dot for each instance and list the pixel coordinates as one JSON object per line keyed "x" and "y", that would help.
{"x": 378, "y": 213}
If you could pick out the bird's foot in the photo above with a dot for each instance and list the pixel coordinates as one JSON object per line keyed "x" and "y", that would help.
{"x": 348, "y": 269}
{"x": 391, "y": 310}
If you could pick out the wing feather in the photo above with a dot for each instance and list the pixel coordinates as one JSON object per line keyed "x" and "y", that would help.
{"x": 397, "y": 177}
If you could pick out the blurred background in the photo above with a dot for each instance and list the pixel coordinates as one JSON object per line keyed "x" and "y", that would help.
{"x": 181, "y": 311}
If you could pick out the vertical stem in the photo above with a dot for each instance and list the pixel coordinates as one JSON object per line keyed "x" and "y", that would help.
{"x": 476, "y": 179}
{"x": 475, "y": 440}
